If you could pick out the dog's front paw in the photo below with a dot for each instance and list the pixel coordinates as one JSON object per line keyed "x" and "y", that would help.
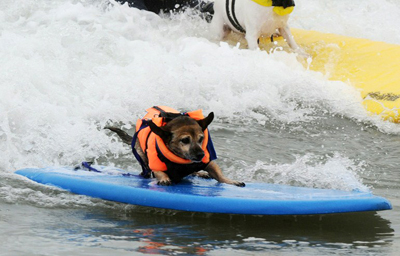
{"x": 238, "y": 183}
{"x": 165, "y": 182}
{"x": 234, "y": 182}
{"x": 202, "y": 174}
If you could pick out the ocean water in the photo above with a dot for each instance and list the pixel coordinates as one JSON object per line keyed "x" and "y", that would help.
{"x": 70, "y": 67}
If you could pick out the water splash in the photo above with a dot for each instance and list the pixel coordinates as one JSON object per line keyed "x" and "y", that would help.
{"x": 336, "y": 172}
{"x": 74, "y": 66}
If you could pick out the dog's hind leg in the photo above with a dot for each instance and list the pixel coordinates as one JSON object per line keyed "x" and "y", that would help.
{"x": 252, "y": 44}
{"x": 217, "y": 28}
{"x": 252, "y": 39}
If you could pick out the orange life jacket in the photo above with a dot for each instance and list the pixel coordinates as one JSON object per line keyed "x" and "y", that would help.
{"x": 152, "y": 145}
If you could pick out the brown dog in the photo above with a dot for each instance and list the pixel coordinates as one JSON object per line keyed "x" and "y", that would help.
{"x": 172, "y": 145}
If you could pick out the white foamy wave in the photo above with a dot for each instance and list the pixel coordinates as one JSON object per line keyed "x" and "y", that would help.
{"x": 364, "y": 19}
{"x": 336, "y": 172}
{"x": 71, "y": 67}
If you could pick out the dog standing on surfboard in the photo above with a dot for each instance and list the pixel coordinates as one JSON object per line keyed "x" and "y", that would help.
{"x": 172, "y": 145}
{"x": 254, "y": 18}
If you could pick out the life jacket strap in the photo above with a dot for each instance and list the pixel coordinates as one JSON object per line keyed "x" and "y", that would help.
{"x": 145, "y": 168}
{"x": 230, "y": 8}
{"x": 88, "y": 166}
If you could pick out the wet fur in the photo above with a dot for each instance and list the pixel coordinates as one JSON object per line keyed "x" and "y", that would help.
{"x": 182, "y": 136}
{"x": 183, "y": 128}
{"x": 256, "y": 19}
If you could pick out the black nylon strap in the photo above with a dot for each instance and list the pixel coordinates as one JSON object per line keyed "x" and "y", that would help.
{"x": 235, "y": 19}
{"x": 232, "y": 19}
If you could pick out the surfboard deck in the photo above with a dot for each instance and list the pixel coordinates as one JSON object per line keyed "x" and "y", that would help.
{"x": 201, "y": 195}
{"x": 370, "y": 66}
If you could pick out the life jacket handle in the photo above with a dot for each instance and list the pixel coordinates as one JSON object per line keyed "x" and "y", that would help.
{"x": 168, "y": 116}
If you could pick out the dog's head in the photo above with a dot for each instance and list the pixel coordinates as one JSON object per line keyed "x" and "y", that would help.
{"x": 184, "y": 136}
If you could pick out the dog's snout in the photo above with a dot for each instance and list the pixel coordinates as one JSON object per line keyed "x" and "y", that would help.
{"x": 199, "y": 156}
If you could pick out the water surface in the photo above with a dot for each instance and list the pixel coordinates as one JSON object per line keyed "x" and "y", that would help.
{"x": 70, "y": 67}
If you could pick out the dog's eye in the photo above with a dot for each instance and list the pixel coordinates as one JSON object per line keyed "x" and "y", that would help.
{"x": 185, "y": 140}
{"x": 201, "y": 139}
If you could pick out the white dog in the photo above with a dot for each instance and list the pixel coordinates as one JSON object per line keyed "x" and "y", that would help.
{"x": 254, "y": 18}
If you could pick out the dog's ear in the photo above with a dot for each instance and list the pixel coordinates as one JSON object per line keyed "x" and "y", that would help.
{"x": 206, "y": 121}
{"x": 164, "y": 135}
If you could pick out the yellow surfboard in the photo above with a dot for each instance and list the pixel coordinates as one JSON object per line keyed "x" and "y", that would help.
{"x": 372, "y": 67}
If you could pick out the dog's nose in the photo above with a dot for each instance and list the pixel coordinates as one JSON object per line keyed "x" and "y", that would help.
{"x": 199, "y": 156}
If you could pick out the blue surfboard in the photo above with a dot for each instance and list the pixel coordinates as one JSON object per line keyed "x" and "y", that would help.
{"x": 200, "y": 195}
